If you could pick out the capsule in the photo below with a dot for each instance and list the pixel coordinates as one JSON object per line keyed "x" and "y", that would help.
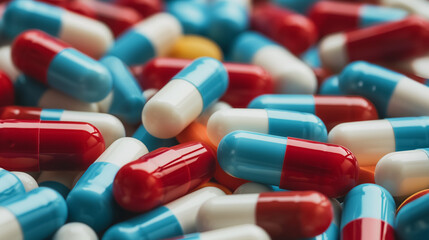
{"x": 34, "y": 215}
{"x": 245, "y": 81}
{"x": 34, "y": 145}
{"x": 414, "y": 66}
{"x": 333, "y": 232}
{"x": 293, "y": 31}
{"x": 332, "y": 110}
{"x": 275, "y": 212}
{"x": 145, "y": 7}
{"x": 29, "y": 92}
{"x": 419, "y": 8}
{"x": 182, "y": 99}
{"x": 384, "y": 42}
{"x": 173, "y": 219}
{"x": 267, "y": 121}
{"x": 117, "y": 18}
{"x": 193, "y": 46}
{"x": 289, "y": 163}
{"x": 333, "y": 17}
{"x": 194, "y": 16}
{"x": 60, "y": 181}
{"x": 240, "y": 232}
{"x": 75, "y": 230}
{"x": 126, "y": 100}
{"x": 85, "y": 34}
{"x": 6, "y": 64}
{"x": 412, "y": 220}
{"x": 110, "y": 127}
{"x": 388, "y": 90}
{"x": 147, "y": 39}
{"x": 163, "y": 175}
{"x": 403, "y": 173}
{"x": 331, "y": 87}
{"x": 151, "y": 142}
{"x": 368, "y": 213}
{"x": 301, "y": 6}
{"x": 289, "y": 73}
{"x": 91, "y": 200}
{"x": 14, "y": 184}
{"x": 228, "y": 19}
{"x": 7, "y": 91}
{"x": 55, "y": 64}
{"x": 371, "y": 140}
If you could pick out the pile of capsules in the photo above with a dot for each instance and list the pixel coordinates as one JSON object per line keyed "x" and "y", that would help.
{"x": 214, "y": 119}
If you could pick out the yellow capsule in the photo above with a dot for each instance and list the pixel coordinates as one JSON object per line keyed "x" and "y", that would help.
{"x": 192, "y": 47}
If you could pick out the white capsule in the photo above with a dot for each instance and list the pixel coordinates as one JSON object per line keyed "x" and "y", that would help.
{"x": 75, "y": 231}
{"x": 403, "y": 173}
{"x": 252, "y": 187}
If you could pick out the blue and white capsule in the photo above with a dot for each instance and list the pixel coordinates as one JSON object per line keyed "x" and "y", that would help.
{"x": 85, "y": 34}
{"x": 368, "y": 213}
{"x": 31, "y": 93}
{"x": 240, "y": 232}
{"x": 267, "y": 121}
{"x": 185, "y": 97}
{"x": 126, "y": 99}
{"x": 152, "y": 37}
{"x": 152, "y": 142}
{"x": 371, "y": 140}
{"x": 34, "y": 215}
{"x": 15, "y": 183}
{"x": 393, "y": 94}
{"x": 289, "y": 73}
{"x": 91, "y": 200}
{"x": 412, "y": 219}
{"x": 176, "y": 218}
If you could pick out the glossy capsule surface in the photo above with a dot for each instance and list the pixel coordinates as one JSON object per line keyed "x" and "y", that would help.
{"x": 163, "y": 175}
{"x": 34, "y": 145}
{"x": 289, "y": 163}
{"x": 371, "y": 140}
{"x": 109, "y": 126}
{"x": 173, "y": 219}
{"x": 333, "y": 17}
{"x": 267, "y": 121}
{"x": 332, "y": 110}
{"x": 412, "y": 219}
{"x": 91, "y": 199}
{"x": 278, "y": 213}
{"x": 388, "y": 90}
{"x": 148, "y": 38}
{"x": 246, "y": 81}
{"x": 58, "y": 65}
{"x": 368, "y": 213}
{"x": 241, "y": 232}
{"x": 21, "y": 214}
{"x": 289, "y": 73}
{"x": 185, "y": 97}
{"x": 384, "y": 42}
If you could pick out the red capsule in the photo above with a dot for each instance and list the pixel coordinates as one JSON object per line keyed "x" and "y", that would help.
{"x": 34, "y": 145}
{"x": 73, "y": 6}
{"x": 292, "y": 30}
{"x": 7, "y": 92}
{"x": 144, "y": 7}
{"x": 23, "y": 113}
{"x": 245, "y": 81}
{"x": 117, "y": 18}
{"x": 384, "y": 42}
{"x": 163, "y": 175}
